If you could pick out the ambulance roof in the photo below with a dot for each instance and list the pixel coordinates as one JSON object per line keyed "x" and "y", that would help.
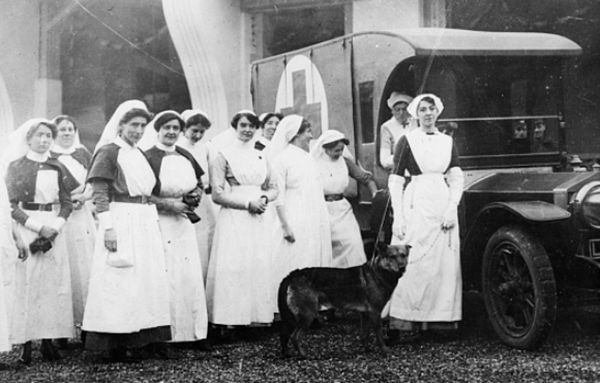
{"x": 450, "y": 42}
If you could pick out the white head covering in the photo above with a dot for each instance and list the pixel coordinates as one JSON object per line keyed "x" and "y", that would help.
{"x": 17, "y": 143}
{"x": 397, "y": 97}
{"x": 412, "y": 107}
{"x": 286, "y": 131}
{"x": 150, "y": 137}
{"x": 328, "y": 137}
{"x": 189, "y": 113}
{"x": 111, "y": 130}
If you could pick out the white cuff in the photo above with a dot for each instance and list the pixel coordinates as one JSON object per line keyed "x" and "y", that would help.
{"x": 33, "y": 224}
{"x": 248, "y": 205}
{"x": 105, "y": 219}
{"x": 395, "y": 183}
{"x": 58, "y": 223}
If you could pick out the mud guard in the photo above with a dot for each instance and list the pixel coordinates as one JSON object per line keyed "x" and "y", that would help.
{"x": 534, "y": 211}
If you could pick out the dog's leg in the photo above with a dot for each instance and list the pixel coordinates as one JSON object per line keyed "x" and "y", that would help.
{"x": 364, "y": 330}
{"x": 304, "y": 322}
{"x": 296, "y": 337}
{"x": 375, "y": 319}
{"x": 285, "y": 331}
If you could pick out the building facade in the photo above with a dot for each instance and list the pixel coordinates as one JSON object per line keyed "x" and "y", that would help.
{"x": 85, "y": 57}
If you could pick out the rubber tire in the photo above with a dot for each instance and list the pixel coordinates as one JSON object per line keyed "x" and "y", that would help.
{"x": 532, "y": 292}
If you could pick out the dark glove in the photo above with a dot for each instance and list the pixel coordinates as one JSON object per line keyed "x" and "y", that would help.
{"x": 192, "y": 200}
{"x": 42, "y": 244}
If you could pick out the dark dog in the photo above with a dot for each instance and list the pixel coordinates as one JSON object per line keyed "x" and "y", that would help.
{"x": 365, "y": 288}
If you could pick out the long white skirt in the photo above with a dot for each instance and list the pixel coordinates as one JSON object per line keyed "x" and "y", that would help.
{"x": 42, "y": 302}
{"x": 431, "y": 288}
{"x": 205, "y": 231}
{"x": 80, "y": 234}
{"x": 124, "y": 300}
{"x": 348, "y": 250}
{"x": 5, "y": 284}
{"x": 189, "y": 319}
{"x": 239, "y": 275}
{"x": 309, "y": 221}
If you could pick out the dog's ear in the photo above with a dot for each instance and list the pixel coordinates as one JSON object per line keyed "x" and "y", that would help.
{"x": 382, "y": 247}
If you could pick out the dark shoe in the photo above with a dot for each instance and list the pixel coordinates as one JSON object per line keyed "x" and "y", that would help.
{"x": 317, "y": 323}
{"x": 120, "y": 355}
{"x": 25, "y": 354}
{"x": 204, "y": 345}
{"x": 49, "y": 353}
{"x": 396, "y": 337}
{"x": 161, "y": 351}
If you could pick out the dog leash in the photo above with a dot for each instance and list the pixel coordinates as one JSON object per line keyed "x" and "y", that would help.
{"x": 449, "y": 231}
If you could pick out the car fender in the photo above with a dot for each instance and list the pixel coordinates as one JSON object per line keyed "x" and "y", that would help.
{"x": 491, "y": 218}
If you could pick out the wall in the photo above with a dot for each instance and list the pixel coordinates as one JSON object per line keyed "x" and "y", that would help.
{"x": 212, "y": 39}
{"x": 369, "y": 15}
{"x": 19, "y": 61}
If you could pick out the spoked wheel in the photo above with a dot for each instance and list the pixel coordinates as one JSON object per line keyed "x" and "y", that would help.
{"x": 518, "y": 287}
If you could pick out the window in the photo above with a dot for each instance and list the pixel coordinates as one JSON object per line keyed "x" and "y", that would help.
{"x": 365, "y": 90}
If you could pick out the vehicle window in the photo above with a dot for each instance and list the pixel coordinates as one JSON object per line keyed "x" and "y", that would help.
{"x": 501, "y": 105}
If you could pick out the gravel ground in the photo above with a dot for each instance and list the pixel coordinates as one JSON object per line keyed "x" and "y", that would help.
{"x": 473, "y": 355}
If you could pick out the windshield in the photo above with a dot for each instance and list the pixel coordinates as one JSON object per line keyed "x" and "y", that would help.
{"x": 497, "y": 105}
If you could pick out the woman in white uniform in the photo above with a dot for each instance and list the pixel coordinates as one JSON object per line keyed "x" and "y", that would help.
{"x": 128, "y": 299}
{"x": 196, "y": 124}
{"x": 39, "y": 189}
{"x": 80, "y": 229}
{"x": 239, "y": 274}
{"x": 336, "y": 169}
{"x": 303, "y": 235}
{"x": 429, "y": 295}
{"x": 12, "y": 250}
{"x": 176, "y": 194}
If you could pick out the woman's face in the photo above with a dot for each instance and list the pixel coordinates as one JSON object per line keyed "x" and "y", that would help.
{"x": 400, "y": 112}
{"x": 245, "y": 129}
{"x": 303, "y": 139}
{"x": 335, "y": 152}
{"x": 168, "y": 134}
{"x": 41, "y": 140}
{"x": 195, "y": 133}
{"x": 133, "y": 130}
{"x": 427, "y": 113}
{"x": 66, "y": 134}
{"x": 270, "y": 127}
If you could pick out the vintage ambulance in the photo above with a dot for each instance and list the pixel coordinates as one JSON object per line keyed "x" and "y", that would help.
{"x": 530, "y": 225}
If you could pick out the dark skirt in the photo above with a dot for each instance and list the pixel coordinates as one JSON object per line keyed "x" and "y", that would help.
{"x": 101, "y": 341}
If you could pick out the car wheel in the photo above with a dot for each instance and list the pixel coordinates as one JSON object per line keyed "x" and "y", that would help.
{"x": 519, "y": 289}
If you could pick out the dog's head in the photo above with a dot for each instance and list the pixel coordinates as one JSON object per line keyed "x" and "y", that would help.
{"x": 392, "y": 258}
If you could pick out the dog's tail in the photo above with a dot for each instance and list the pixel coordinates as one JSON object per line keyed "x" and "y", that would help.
{"x": 288, "y": 319}
{"x": 287, "y": 316}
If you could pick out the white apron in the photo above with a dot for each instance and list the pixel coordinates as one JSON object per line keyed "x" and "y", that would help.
{"x": 205, "y": 229}
{"x": 189, "y": 319}
{"x": 80, "y": 234}
{"x": 348, "y": 250}
{"x": 431, "y": 288}
{"x": 8, "y": 259}
{"x": 239, "y": 274}
{"x": 124, "y": 300}
{"x": 43, "y": 307}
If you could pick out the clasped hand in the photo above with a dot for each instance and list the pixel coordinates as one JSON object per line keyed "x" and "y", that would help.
{"x": 257, "y": 206}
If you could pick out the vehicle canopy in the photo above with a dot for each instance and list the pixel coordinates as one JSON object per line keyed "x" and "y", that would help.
{"x": 491, "y": 83}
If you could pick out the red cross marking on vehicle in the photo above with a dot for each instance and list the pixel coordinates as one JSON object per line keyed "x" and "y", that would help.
{"x": 312, "y": 112}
